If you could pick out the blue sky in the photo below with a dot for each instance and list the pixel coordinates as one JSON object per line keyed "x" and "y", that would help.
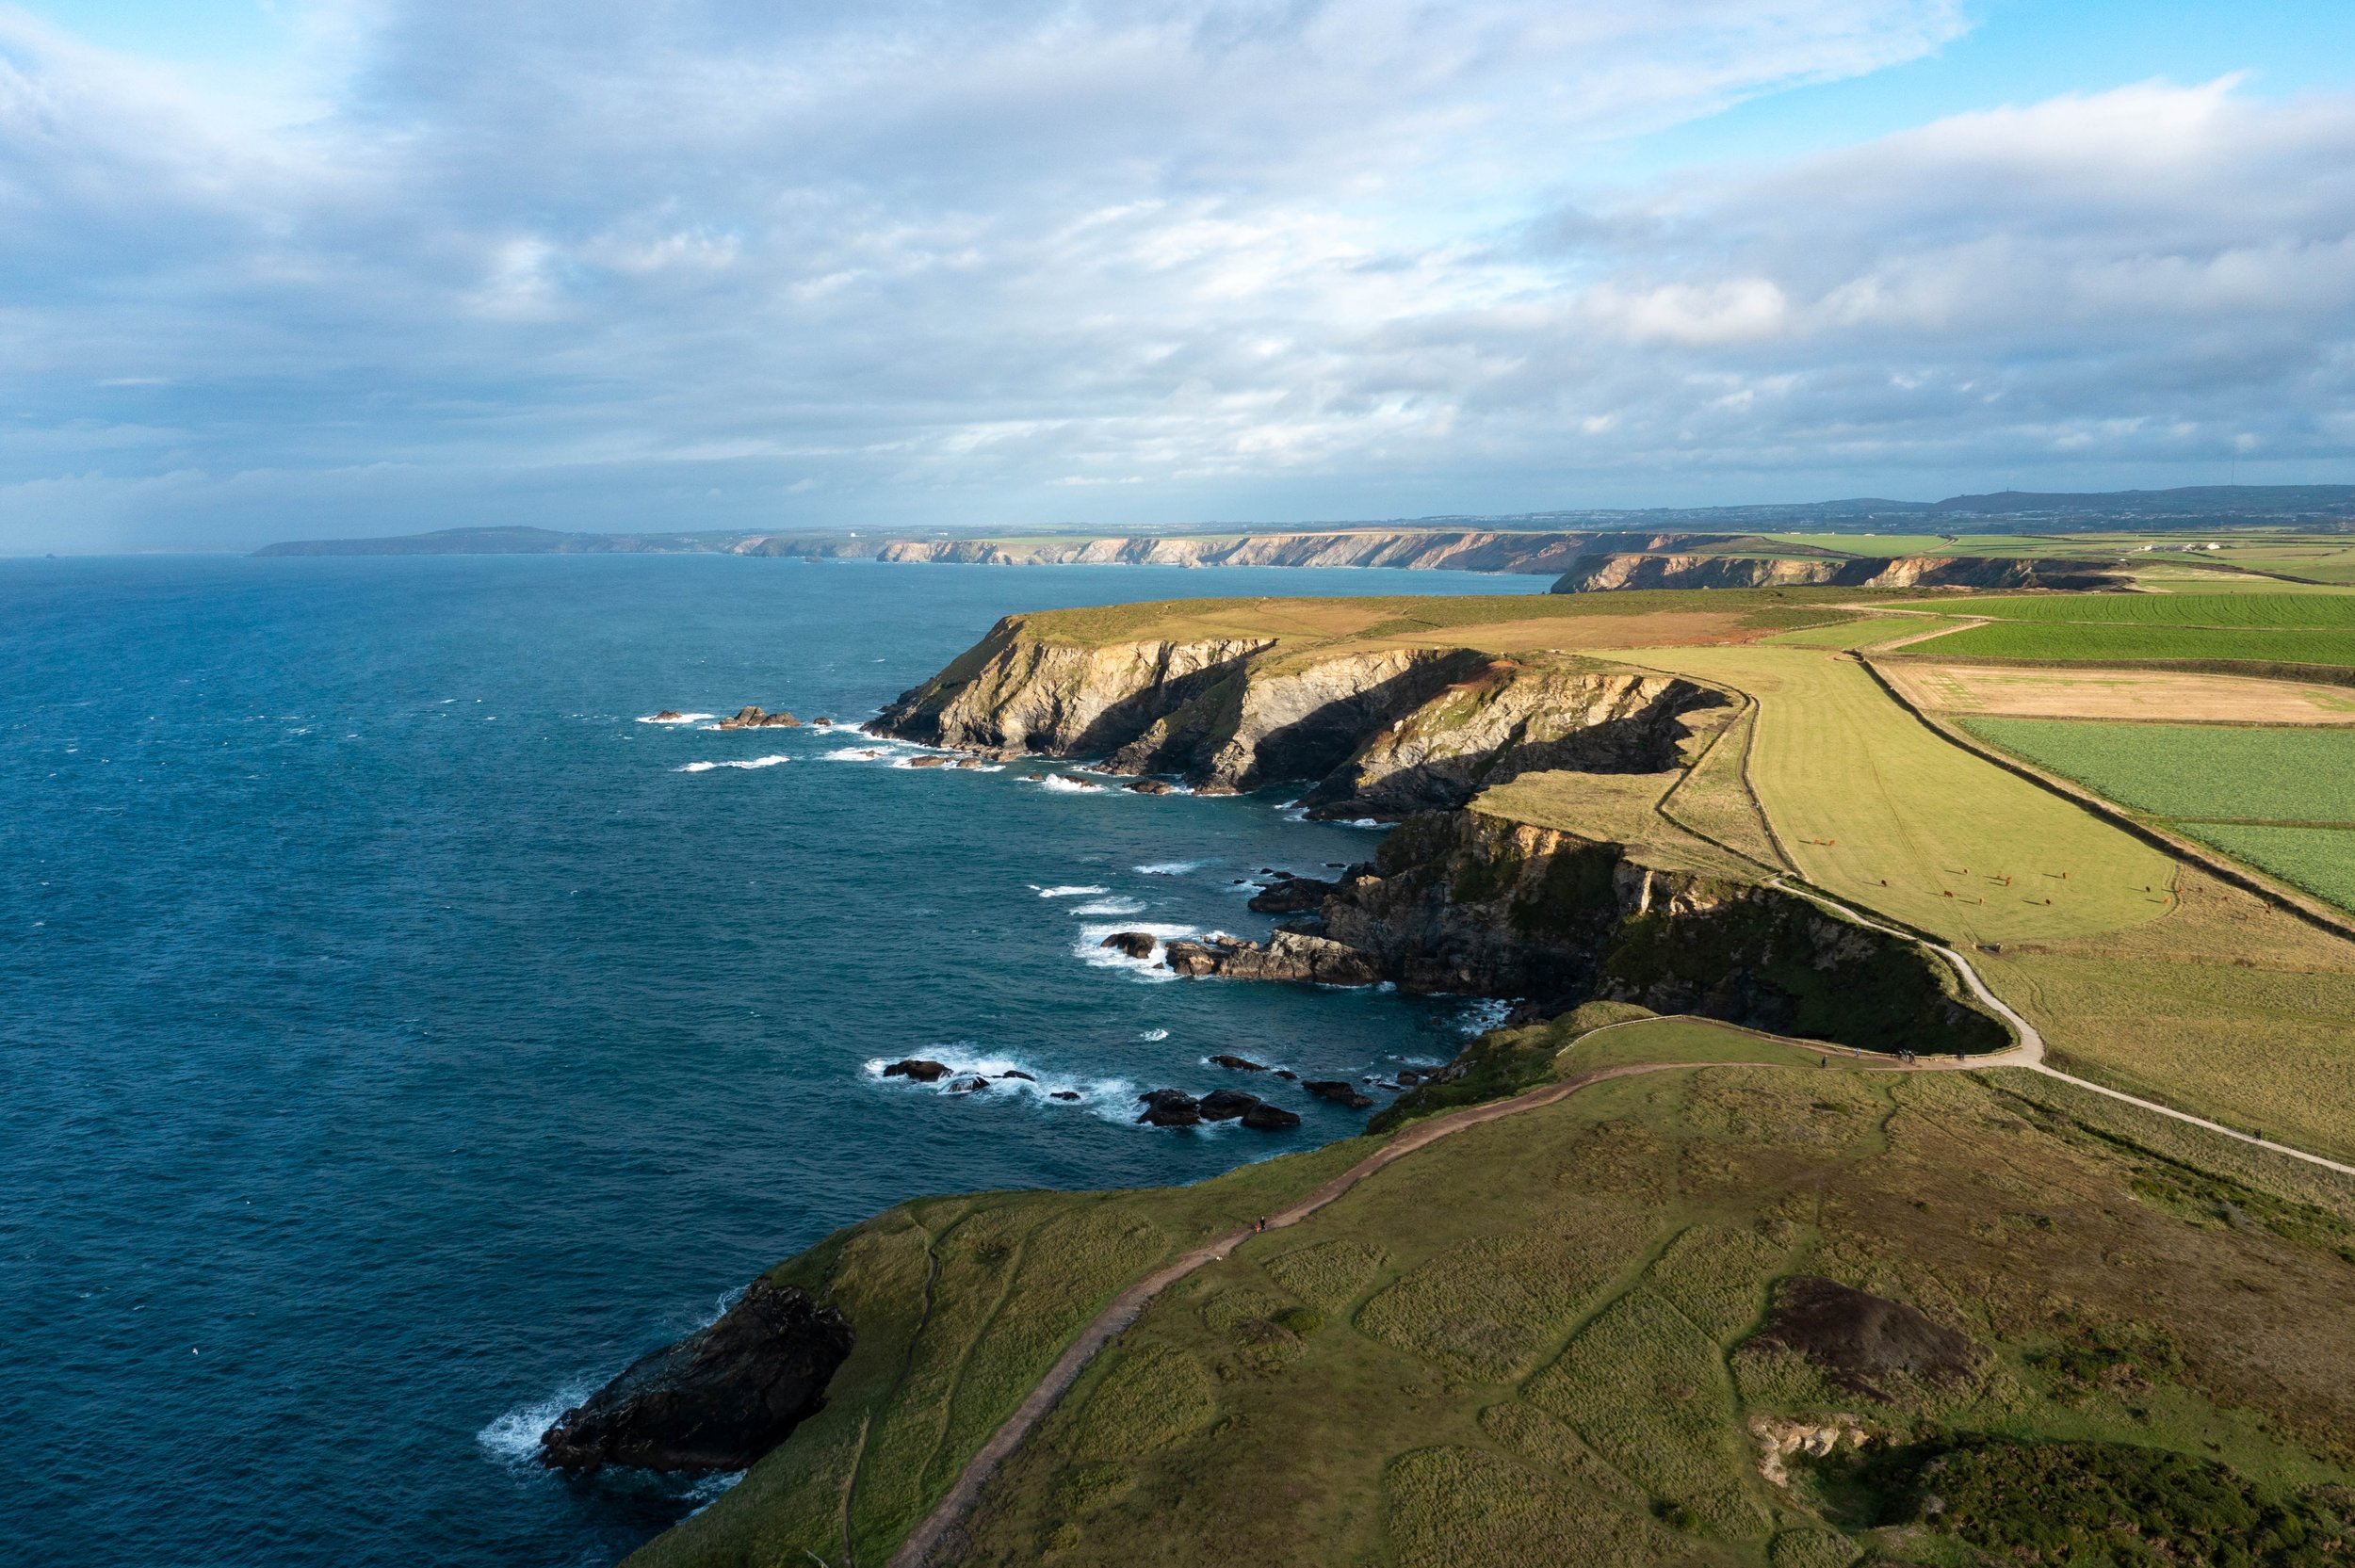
{"x": 328, "y": 266}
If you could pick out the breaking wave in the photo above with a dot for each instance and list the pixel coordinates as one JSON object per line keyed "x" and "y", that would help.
{"x": 1071, "y": 892}
{"x": 657, "y": 718}
{"x": 748, "y": 762}
{"x": 1108, "y": 906}
{"x": 1169, "y": 867}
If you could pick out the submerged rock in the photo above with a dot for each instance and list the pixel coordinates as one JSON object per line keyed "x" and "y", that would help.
{"x": 1170, "y": 1107}
{"x": 1063, "y": 1095}
{"x": 1150, "y": 787}
{"x": 918, "y": 1068}
{"x": 1339, "y": 1090}
{"x": 715, "y": 1400}
{"x": 928, "y": 762}
{"x": 1017, "y": 1073}
{"x": 973, "y": 1085}
{"x": 753, "y": 719}
{"x": 669, "y": 716}
{"x": 1266, "y": 1118}
{"x": 1239, "y": 1065}
{"x": 1136, "y": 945}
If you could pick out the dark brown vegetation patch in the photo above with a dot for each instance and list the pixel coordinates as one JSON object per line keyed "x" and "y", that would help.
{"x": 1862, "y": 1340}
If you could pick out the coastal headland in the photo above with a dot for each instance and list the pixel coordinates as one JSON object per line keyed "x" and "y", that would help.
{"x": 1897, "y": 1149}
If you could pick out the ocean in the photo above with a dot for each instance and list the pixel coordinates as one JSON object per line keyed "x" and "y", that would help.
{"x": 401, "y": 1033}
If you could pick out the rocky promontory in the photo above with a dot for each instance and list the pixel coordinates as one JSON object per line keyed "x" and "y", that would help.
{"x": 1378, "y": 733}
{"x": 1607, "y": 573}
{"x": 715, "y": 1400}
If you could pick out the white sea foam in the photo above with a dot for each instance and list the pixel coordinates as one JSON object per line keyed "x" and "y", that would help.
{"x": 676, "y": 719}
{"x": 861, "y": 753}
{"x": 707, "y": 1492}
{"x": 1108, "y": 906}
{"x": 744, "y": 762}
{"x": 1091, "y": 950}
{"x": 1169, "y": 867}
{"x": 1480, "y": 1016}
{"x": 1062, "y": 783}
{"x": 965, "y": 1060}
{"x": 1153, "y": 1034}
{"x": 1071, "y": 892}
{"x": 514, "y": 1439}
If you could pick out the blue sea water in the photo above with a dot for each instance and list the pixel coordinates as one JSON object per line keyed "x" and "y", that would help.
{"x": 399, "y": 1034}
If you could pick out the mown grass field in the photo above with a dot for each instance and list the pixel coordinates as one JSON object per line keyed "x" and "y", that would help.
{"x": 1877, "y": 808}
{"x": 1535, "y": 1342}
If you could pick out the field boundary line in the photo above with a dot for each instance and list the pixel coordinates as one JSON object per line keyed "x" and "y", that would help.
{"x": 2259, "y": 669}
{"x": 2117, "y": 817}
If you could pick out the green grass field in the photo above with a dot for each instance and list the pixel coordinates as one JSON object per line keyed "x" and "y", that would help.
{"x": 1533, "y": 1343}
{"x": 2320, "y": 860}
{"x": 1875, "y": 807}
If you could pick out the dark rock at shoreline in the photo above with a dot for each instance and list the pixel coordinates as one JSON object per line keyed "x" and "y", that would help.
{"x": 823, "y": 722}
{"x": 1017, "y": 1073}
{"x": 1339, "y": 1092}
{"x": 928, "y": 762}
{"x": 1293, "y": 895}
{"x": 1150, "y": 787}
{"x": 1285, "y": 956}
{"x": 973, "y": 1085}
{"x": 753, "y": 719}
{"x": 1288, "y": 1072}
{"x": 1225, "y": 1104}
{"x": 1063, "y": 1095}
{"x": 1239, "y": 1065}
{"x": 918, "y": 1069}
{"x": 1170, "y": 1107}
{"x": 669, "y": 716}
{"x": 715, "y": 1400}
{"x": 1136, "y": 945}
{"x": 1266, "y": 1118}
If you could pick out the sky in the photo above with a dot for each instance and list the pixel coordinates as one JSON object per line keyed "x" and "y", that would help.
{"x": 316, "y": 267}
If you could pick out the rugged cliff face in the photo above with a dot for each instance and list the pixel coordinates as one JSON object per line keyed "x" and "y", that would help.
{"x": 1411, "y": 549}
{"x": 1466, "y": 902}
{"x": 1597, "y": 573}
{"x": 1379, "y": 732}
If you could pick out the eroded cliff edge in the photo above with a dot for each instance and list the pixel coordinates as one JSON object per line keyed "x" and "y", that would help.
{"x": 1463, "y": 898}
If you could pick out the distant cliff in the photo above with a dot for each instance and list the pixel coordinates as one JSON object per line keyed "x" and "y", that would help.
{"x": 1597, "y": 573}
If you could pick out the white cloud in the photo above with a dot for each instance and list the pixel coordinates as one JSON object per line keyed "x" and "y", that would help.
{"x": 1207, "y": 258}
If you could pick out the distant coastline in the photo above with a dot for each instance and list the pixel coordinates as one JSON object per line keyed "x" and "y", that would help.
{"x": 1523, "y": 542}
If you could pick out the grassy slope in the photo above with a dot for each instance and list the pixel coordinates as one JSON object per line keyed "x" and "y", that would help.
{"x": 2226, "y": 1007}
{"x": 1860, "y": 793}
{"x": 1525, "y": 1344}
{"x": 2224, "y": 611}
{"x": 2116, "y": 643}
{"x": 1018, "y": 1274}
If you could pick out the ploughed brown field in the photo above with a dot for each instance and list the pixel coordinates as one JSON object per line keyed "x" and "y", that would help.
{"x": 2154, "y": 694}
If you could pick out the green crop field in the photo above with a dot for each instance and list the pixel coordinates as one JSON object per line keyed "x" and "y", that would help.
{"x": 1874, "y": 806}
{"x": 2269, "y": 796}
{"x": 2320, "y": 860}
{"x": 2117, "y": 642}
{"x": 2168, "y": 609}
{"x": 2231, "y": 773}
